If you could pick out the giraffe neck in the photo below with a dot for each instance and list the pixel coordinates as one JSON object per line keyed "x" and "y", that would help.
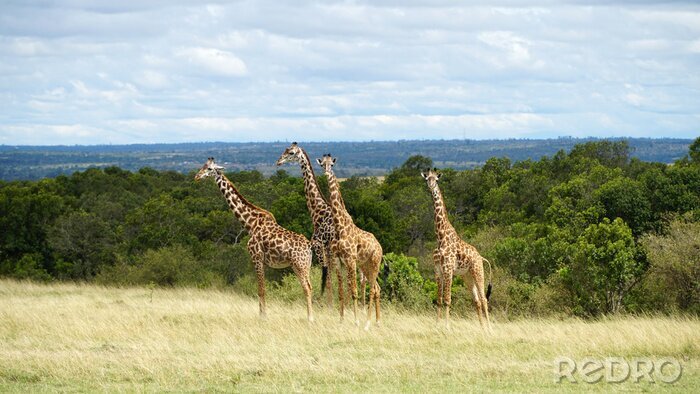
{"x": 247, "y": 213}
{"x": 340, "y": 214}
{"x": 443, "y": 227}
{"x": 314, "y": 198}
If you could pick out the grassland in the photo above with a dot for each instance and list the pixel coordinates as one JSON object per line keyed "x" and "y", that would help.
{"x": 66, "y": 337}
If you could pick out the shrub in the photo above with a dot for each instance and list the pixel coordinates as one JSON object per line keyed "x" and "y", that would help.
{"x": 29, "y": 267}
{"x": 673, "y": 282}
{"x": 404, "y": 284}
{"x": 168, "y": 266}
{"x": 604, "y": 268}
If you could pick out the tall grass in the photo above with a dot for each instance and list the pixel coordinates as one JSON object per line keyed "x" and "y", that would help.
{"x": 60, "y": 337}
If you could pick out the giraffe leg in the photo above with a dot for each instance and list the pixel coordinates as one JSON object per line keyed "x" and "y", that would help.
{"x": 376, "y": 290}
{"x": 363, "y": 288}
{"x": 447, "y": 294}
{"x": 341, "y": 292}
{"x": 378, "y": 313}
{"x": 342, "y": 263}
{"x": 324, "y": 259}
{"x": 260, "y": 273}
{"x": 258, "y": 259}
{"x": 440, "y": 284}
{"x": 302, "y": 272}
{"x": 352, "y": 287}
{"x": 477, "y": 299}
{"x": 483, "y": 302}
{"x": 373, "y": 292}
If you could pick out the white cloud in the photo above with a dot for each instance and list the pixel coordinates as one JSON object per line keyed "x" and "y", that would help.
{"x": 515, "y": 49}
{"x": 215, "y": 60}
{"x": 634, "y": 99}
{"x": 694, "y": 46}
{"x": 152, "y": 79}
{"x": 24, "y": 46}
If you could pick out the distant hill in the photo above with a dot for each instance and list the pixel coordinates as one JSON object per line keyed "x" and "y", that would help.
{"x": 354, "y": 158}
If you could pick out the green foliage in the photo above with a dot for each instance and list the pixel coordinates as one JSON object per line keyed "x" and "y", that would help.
{"x": 82, "y": 243}
{"x": 694, "y": 151}
{"x": 161, "y": 221}
{"x": 562, "y": 232}
{"x": 404, "y": 284}
{"x": 370, "y": 211}
{"x": 626, "y": 199}
{"x": 29, "y": 266}
{"x": 515, "y": 298}
{"x": 26, "y": 212}
{"x": 603, "y": 268}
{"x": 673, "y": 282}
{"x": 608, "y": 153}
{"x": 167, "y": 266}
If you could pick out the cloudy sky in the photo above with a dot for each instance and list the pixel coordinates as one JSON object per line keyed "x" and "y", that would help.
{"x": 136, "y": 71}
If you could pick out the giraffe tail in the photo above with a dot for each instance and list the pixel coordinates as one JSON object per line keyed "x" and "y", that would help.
{"x": 386, "y": 270}
{"x": 317, "y": 249}
{"x": 324, "y": 277}
{"x": 489, "y": 288}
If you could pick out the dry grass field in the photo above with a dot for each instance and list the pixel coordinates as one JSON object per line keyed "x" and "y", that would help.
{"x": 65, "y": 337}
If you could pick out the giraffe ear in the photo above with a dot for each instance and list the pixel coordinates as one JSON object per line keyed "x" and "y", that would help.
{"x": 334, "y": 160}
{"x": 423, "y": 175}
{"x": 438, "y": 176}
{"x": 318, "y": 161}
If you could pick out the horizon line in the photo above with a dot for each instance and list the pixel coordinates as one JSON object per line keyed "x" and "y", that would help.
{"x": 348, "y": 141}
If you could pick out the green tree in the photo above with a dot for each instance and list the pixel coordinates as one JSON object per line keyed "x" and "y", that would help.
{"x": 694, "y": 151}
{"x": 30, "y": 266}
{"x": 673, "y": 282}
{"x": 626, "y": 199}
{"x": 606, "y": 152}
{"x": 604, "y": 268}
{"x": 26, "y": 212}
{"x": 412, "y": 207}
{"x": 161, "y": 221}
{"x": 404, "y": 284}
{"x": 410, "y": 169}
{"x": 82, "y": 242}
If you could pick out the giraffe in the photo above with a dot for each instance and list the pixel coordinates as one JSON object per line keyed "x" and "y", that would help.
{"x": 453, "y": 256}
{"x": 270, "y": 244}
{"x": 355, "y": 247}
{"x": 324, "y": 230}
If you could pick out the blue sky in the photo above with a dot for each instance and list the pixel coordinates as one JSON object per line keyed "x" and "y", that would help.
{"x": 135, "y": 71}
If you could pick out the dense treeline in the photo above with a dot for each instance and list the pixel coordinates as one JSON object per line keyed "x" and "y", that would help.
{"x": 587, "y": 232}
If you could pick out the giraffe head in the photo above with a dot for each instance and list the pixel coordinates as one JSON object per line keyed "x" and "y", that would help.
{"x": 208, "y": 169}
{"x": 293, "y": 154}
{"x": 327, "y": 163}
{"x": 431, "y": 177}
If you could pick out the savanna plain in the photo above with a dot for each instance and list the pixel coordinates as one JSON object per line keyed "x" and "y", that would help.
{"x": 86, "y": 338}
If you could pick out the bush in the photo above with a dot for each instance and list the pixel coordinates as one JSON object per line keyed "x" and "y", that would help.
{"x": 404, "y": 284}
{"x": 30, "y": 267}
{"x": 673, "y": 282}
{"x": 604, "y": 268}
{"x": 168, "y": 266}
{"x": 287, "y": 289}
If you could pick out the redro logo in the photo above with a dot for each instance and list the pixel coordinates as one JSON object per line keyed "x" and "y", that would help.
{"x": 617, "y": 370}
